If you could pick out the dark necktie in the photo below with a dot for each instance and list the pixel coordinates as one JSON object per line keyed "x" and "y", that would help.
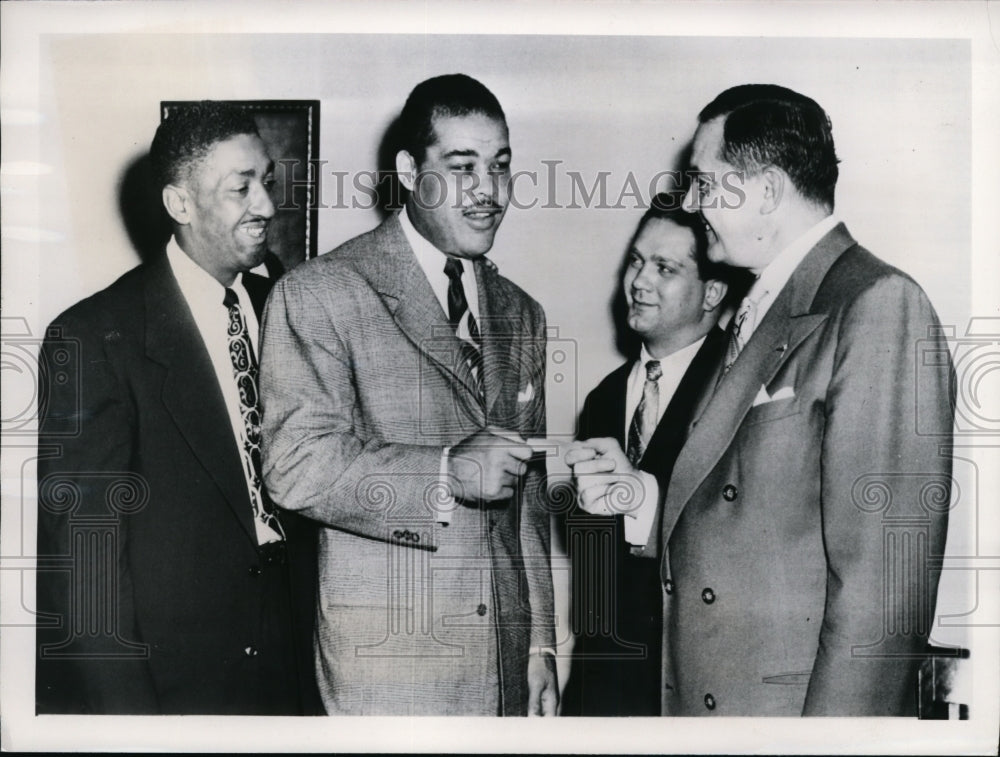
{"x": 458, "y": 306}
{"x": 245, "y": 371}
{"x": 645, "y": 417}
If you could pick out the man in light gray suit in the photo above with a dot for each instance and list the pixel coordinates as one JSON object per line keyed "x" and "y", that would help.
{"x": 809, "y": 504}
{"x": 401, "y": 376}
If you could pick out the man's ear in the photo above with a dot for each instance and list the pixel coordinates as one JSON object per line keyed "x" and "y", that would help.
{"x": 406, "y": 169}
{"x": 773, "y": 183}
{"x": 715, "y": 293}
{"x": 177, "y": 201}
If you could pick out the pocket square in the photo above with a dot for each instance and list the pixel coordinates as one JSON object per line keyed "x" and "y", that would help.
{"x": 527, "y": 394}
{"x": 762, "y": 398}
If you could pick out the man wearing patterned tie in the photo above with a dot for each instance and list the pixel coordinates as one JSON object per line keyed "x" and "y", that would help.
{"x": 789, "y": 589}
{"x": 636, "y": 419}
{"x": 187, "y": 591}
{"x": 401, "y": 376}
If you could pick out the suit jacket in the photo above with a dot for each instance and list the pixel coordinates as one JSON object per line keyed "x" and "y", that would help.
{"x": 616, "y": 657}
{"x": 363, "y": 385}
{"x": 801, "y": 531}
{"x": 152, "y": 593}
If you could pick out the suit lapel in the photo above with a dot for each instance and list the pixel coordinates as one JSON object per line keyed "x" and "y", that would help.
{"x": 498, "y": 324}
{"x": 191, "y": 393}
{"x": 398, "y": 278}
{"x": 783, "y": 329}
{"x": 673, "y": 426}
{"x": 606, "y": 408}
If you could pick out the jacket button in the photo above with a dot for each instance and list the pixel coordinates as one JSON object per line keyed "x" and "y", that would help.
{"x": 710, "y": 701}
{"x": 250, "y": 651}
{"x": 254, "y": 570}
{"x": 669, "y": 586}
{"x": 729, "y": 492}
{"x": 481, "y": 610}
{"x": 707, "y": 596}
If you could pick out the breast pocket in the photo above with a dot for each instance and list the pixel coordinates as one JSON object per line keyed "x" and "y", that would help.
{"x": 772, "y": 411}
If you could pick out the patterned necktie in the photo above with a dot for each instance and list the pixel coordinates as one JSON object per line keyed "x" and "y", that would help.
{"x": 458, "y": 306}
{"x": 245, "y": 371}
{"x": 740, "y": 330}
{"x": 645, "y": 417}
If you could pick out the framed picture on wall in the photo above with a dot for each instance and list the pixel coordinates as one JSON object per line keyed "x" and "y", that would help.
{"x": 290, "y": 129}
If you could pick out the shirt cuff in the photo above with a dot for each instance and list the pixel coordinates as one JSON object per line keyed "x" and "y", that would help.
{"x": 444, "y": 505}
{"x": 639, "y": 522}
{"x": 542, "y": 650}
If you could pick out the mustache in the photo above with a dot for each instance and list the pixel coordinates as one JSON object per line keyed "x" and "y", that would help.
{"x": 479, "y": 207}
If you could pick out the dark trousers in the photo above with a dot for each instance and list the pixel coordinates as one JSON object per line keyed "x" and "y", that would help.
{"x": 616, "y": 658}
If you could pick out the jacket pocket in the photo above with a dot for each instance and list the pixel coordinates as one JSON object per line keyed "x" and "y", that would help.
{"x": 772, "y": 411}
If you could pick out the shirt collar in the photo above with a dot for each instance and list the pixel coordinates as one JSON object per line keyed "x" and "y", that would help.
{"x": 431, "y": 259}
{"x": 197, "y": 284}
{"x": 779, "y": 270}
{"x": 681, "y": 357}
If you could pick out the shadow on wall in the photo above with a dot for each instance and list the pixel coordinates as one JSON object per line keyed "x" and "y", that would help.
{"x": 141, "y": 208}
{"x": 390, "y": 195}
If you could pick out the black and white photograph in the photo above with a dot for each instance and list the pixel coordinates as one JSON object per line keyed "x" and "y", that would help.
{"x": 372, "y": 372}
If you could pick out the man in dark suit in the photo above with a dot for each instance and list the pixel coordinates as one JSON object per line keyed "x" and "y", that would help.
{"x": 810, "y": 500}
{"x": 674, "y": 295}
{"x": 401, "y": 377}
{"x": 168, "y": 581}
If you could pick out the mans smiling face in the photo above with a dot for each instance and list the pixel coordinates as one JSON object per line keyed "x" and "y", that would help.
{"x": 729, "y": 201}
{"x": 460, "y": 191}
{"x": 228, "y": 207}
{"x": 669, "y": 305}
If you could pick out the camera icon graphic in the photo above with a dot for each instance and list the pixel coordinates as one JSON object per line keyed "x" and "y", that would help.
{"x": 976, "y": 359}
{"x": 34, "y": 368}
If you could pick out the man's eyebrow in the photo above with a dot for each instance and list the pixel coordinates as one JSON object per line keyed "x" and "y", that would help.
{"x": 461, "y": 154}
{"x": 502, "y": 153}
{"x": 251, "y": 172}
{"x": 675, "y": 260}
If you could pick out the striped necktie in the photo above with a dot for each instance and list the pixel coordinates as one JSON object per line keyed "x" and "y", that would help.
{"x": 458, "y": 307}
{"x": 645, "y": 418}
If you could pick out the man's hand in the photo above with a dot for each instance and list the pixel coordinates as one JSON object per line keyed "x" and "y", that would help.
{"x": 486, "y": 465}
{"x": 606, "y": 482}
{"x": 543, "y": 685}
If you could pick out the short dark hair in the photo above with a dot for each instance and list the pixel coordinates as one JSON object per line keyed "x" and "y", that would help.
{"x": 766, "y": 124}
{"x": 445, "y": 96}
{"x": 189, "y": 133}
{"x": 666, "y": 206}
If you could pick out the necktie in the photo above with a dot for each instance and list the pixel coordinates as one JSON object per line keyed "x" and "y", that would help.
{"x": 245, "y": 371}
{"x": 740, "y": 330}
{"x": 458, "y": 306}
{"x": 645, "y": 417}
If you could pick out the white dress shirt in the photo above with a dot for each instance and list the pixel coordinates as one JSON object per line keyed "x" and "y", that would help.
{"x": 773, "y": 278}
{"x": 432, "y": 261}
{"x": 639, "y": 521}
{"x": 204, "y": 296}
